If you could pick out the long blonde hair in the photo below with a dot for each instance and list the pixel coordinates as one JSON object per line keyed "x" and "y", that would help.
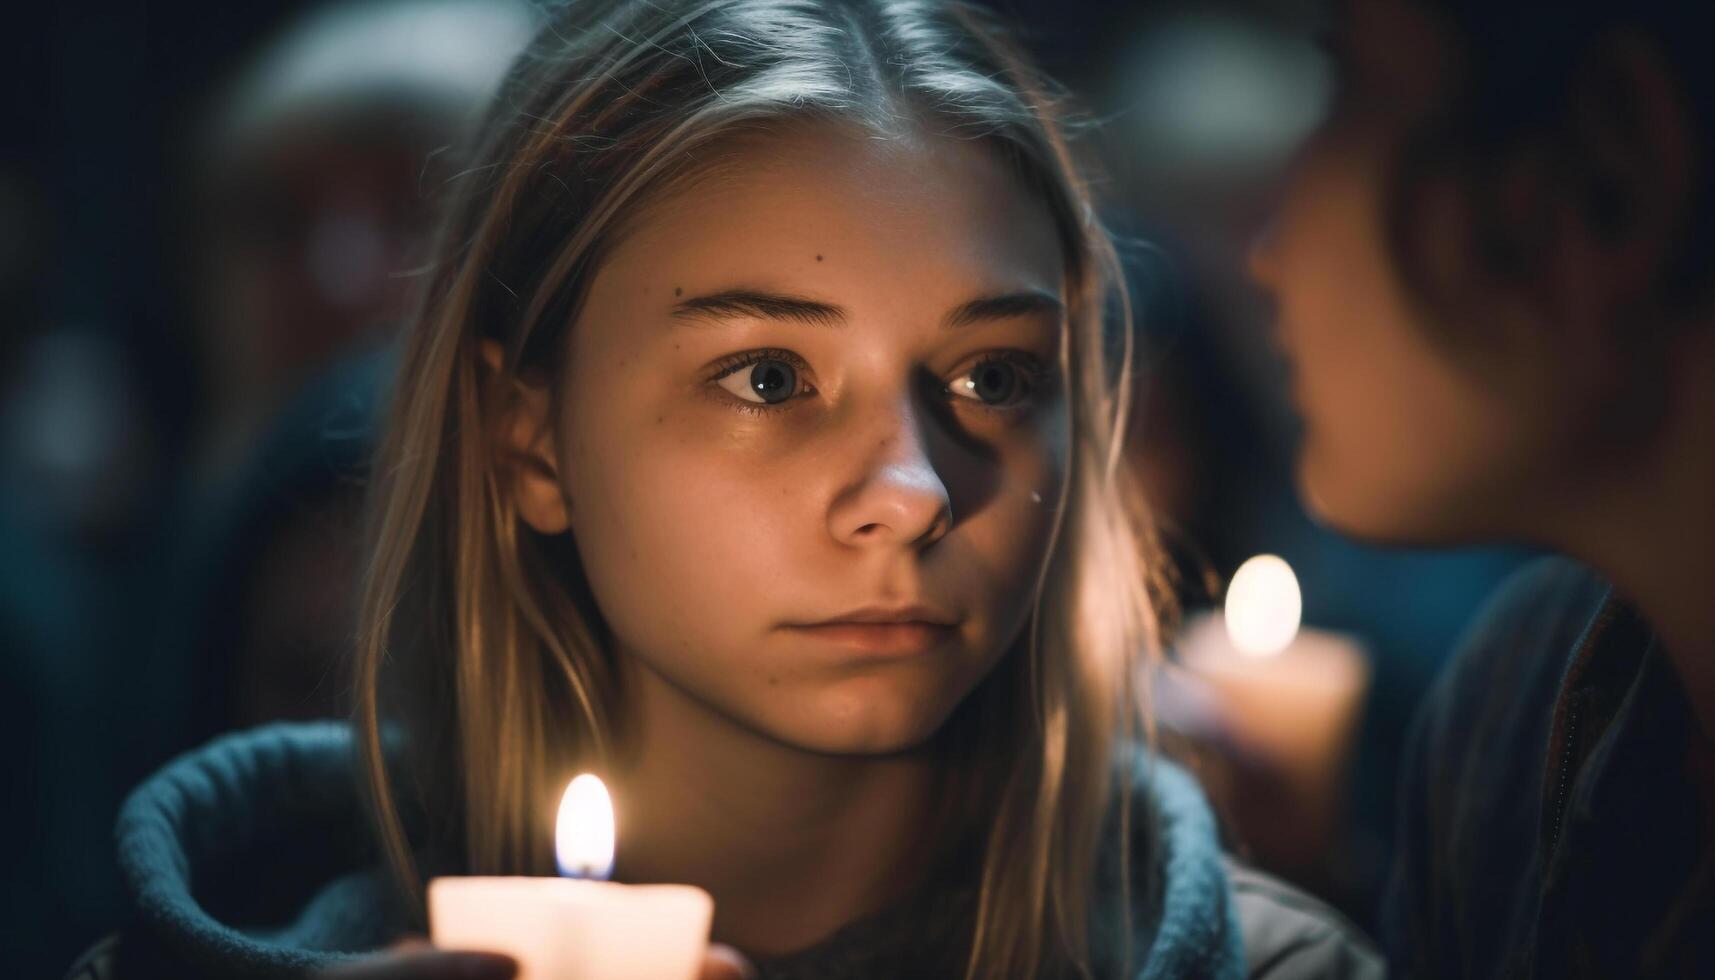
{"x": 481, "y": 644}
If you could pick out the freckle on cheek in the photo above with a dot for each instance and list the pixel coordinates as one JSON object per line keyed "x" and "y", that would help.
{"x": 677, "y": 291}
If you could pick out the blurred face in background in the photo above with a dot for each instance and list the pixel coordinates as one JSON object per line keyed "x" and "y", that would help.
{"x": 1425, "y": 422}
{"x": 1399, "y": 434}
{"x": 308, "y": 247}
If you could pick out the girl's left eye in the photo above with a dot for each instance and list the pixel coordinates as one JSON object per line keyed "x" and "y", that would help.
{"x": 999, "y": 380}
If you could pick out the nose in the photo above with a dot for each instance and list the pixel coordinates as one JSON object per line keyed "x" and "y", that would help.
{"x": 899, "y": 498}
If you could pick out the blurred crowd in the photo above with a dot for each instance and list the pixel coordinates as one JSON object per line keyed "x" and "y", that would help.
{"x": 210, "y": 220}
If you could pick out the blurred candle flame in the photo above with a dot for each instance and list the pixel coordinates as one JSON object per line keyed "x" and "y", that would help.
{"x": 583, "y": 832}
{"x": 1264, "y": 607}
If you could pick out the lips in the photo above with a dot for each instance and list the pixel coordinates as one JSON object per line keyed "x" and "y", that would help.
{"x": 880, "y": 639}
{"x": 917, "y": 612}
{"x": 886, "y": 631}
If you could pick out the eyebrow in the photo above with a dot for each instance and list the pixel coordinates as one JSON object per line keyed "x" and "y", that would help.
{"x": 732, "y": 304}
{"x": 1028, "y": 302}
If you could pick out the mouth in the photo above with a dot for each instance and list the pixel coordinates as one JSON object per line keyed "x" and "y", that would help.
{"x": 917, "y": 612}
{"x": 895, "y": 631}
{"x": 880, "y": 639}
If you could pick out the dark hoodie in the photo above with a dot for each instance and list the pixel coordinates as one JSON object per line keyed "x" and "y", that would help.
{"x": 248, "y": 859}
{"x": 1551, "y": 825}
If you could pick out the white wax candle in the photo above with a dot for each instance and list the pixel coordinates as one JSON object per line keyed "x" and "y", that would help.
{"x": 575, "y": 928}
{"x": 566, "y": 929}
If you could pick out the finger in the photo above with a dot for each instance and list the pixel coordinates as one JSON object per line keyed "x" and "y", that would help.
{"x": 726, "y": 963}
{"x": 427, "y": 964}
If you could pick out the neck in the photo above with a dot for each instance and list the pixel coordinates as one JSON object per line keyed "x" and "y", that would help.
{"x": 792, "y": 844}
{"x": 1652, "y": 529}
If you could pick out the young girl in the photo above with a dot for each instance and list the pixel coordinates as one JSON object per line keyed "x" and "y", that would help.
{"x": 756, "y": 449}
{"x": 1493, "y": 267}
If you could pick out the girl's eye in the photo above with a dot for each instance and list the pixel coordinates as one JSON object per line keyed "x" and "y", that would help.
{"x": 761, "y": 378}
{"x": 998, "y": 381}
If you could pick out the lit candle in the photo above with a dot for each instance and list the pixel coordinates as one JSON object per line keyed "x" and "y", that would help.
{"x": 1287, "y": 694}
{"x": 578, "y": 927}
{"x": 1264, "y": 607}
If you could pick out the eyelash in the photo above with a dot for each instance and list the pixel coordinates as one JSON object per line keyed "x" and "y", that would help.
{"x": 1036, "y": 377}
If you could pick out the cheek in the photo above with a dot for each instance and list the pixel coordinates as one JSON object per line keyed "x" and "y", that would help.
{"x": 1333, "y": 275}
{"x": 1004, "y": 541}
{"x": 1403, "y": 441}
{"x": 679, "y": 534}
{"x": 1002, "y": 555}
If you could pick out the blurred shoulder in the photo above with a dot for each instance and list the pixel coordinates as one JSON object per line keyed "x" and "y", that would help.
{"x": 1531, "y": 623}
{"x": 1289, "y": 935}
{"x": 1503, "y": 679}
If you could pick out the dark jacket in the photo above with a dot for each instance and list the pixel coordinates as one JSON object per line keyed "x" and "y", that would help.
{"x": 248, "y": 859}
{"x": 1548, "y": 824}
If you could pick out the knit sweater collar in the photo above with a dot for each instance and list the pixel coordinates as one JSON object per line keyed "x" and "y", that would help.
{"x": 245, "y": 859}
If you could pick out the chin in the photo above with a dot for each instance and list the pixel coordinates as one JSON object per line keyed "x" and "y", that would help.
{"x": 1357, "y": 508}
{"x": 1381, "y": 512}
{"x": 867, "y": 717}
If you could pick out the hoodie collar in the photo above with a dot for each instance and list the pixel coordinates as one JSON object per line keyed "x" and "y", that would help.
{"x": 246, "y": 858}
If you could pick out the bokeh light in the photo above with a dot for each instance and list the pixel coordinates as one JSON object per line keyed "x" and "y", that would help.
{"x": 1264, "y": 606}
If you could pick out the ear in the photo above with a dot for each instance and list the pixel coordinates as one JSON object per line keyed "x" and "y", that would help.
{"x": 1628, "y": 186}
{"x": 529, "y": 463}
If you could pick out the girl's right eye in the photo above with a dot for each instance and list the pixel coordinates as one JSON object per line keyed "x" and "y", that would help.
{"x": 763, "y": 378}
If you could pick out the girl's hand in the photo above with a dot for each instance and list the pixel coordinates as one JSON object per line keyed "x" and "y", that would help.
{"x": 415, "y": 959}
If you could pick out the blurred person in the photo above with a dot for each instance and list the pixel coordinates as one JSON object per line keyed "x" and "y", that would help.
{"x": 1495, "y": 272}
{"x": 261, "y": 605}
{"x": 1205, "y": 100}
{"x": 310, "y": 192}
{"x": 755, "y": 448}
{"x": 313, "y": 202}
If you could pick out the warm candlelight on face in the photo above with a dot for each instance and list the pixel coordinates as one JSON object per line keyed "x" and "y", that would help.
{"x": 578, "y": 927}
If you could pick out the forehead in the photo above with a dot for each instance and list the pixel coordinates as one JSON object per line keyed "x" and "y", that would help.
{"x": 880, "y": 221}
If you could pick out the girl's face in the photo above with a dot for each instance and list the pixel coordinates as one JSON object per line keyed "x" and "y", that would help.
{"x": 820, "y": 386}
{"x": 1407, "y": 437}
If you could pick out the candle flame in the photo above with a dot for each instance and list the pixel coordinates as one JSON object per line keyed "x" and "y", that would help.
{"x": 1264, "y": 607}
{"x": 583, "y": 833}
